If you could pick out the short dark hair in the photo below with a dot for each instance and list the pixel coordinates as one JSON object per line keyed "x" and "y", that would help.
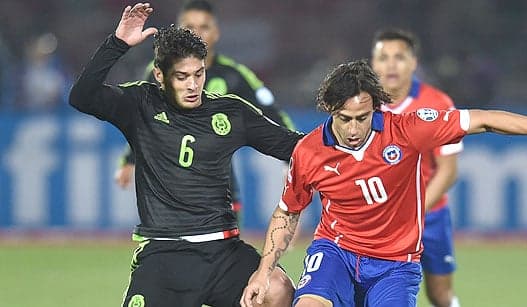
{"x": 198, "y": 5}
{"x": 175, "y": 43}
{"x": 346, "y": 81}
{"x": 391, "y": 34}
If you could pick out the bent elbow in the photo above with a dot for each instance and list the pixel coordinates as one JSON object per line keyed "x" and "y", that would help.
{"x": 78, "y": 98}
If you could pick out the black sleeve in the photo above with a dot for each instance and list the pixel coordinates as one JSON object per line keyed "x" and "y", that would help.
{"x": 127, "y": 157}
{"x": 268, "y": 137}
{"x": 107, "y": 102}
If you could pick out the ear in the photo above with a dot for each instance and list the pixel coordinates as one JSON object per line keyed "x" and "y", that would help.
{"x": 158, "y": 75}
{"x": 414, "y": 63}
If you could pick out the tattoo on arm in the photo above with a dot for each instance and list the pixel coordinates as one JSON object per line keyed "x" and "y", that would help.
{"x": 288, "y": 224}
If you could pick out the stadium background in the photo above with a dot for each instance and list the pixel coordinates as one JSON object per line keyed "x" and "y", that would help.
{"x": 56, "y": 165}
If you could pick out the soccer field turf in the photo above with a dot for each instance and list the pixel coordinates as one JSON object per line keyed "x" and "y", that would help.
{"x": 88, "y": 274}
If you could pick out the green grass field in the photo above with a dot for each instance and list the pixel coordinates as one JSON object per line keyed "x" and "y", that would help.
{"x": 88, "y": 274}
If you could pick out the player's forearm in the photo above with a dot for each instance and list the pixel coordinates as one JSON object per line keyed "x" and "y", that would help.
{"x": 281, "y": 230}
{"x": 437, "y": 187}
{"x": 497, "y": 121}
{"x": 444, "y": 177}
{"x": 89, "y": 86}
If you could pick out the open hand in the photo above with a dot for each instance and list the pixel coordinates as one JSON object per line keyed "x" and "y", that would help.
{"x": 130, "y": 28}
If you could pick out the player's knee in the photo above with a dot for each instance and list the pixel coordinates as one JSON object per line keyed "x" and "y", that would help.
{"x": 313, "y": 301}
{"x": 281, "y": 290}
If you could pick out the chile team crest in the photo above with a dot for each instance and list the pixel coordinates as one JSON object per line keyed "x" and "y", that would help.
{"x": 392, "y": 154}
{"x": 427, "y": 114}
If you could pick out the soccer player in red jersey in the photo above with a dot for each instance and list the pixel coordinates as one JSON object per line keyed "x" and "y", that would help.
{"x": 394, "y": 59}
{"x": 366, "y": 166}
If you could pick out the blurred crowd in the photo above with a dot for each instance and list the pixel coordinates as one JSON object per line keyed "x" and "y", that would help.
{"x": 474, "y": 50}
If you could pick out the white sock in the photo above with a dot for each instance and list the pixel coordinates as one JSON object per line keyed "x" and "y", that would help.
{"x": 455, "y": 302}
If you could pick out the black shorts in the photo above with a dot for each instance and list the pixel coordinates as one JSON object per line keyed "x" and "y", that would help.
{"x": 180, "y": 273}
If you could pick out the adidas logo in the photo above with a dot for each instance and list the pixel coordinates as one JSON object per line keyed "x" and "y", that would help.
{"x": 162, "y": 117}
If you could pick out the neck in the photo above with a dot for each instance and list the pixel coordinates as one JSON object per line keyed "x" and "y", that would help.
{"x": 399, "y": 94}
{"x": 210, "y": 58}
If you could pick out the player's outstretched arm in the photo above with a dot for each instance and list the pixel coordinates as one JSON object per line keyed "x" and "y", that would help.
{"x": 497, "y": 121}
{"x": 130, "y": 28}
{"x": 279, "y": 234}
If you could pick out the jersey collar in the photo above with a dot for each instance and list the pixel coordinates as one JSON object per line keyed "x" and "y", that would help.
{"x": 415, "y": 89}
{"x": 377, "y": 124}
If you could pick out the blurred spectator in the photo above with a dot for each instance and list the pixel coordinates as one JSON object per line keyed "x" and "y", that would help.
{"x": 473, "y": 50}
{"x": 43, "y": 83}
{"x": 6, "y": 83}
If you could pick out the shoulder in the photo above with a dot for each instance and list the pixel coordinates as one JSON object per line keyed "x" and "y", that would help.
{"x": 143, "y": 90}
{"x": 243, "y": 71}
{"x": 139, "y": 87}
{"x": 311, "y": 143}
{"x": 438, "y": 98}
{"x": 233, "y": 100}
{"x": 140, "y": 84}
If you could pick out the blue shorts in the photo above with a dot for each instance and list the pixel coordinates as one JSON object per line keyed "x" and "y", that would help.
{"x": 438, "y": 254}
{"x": 347, "y": 279}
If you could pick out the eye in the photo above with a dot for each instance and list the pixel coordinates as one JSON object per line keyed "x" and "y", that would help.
{"x": 180, "y": 76}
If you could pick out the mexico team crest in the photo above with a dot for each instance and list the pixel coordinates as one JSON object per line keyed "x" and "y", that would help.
{"x": 221, "y": 124}
{"x": 392, "y": 154}
{"x": 427, "y": 114}
{"x": 137, "y": 301}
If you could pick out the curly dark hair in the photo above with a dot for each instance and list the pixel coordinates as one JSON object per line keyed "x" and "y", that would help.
{"x": 175, "y": 43}
{"x": 346, "y": 81}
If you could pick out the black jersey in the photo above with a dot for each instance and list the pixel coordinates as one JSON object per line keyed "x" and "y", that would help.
{"x": 228, "y": 76}
{"x": 183, "y": 156}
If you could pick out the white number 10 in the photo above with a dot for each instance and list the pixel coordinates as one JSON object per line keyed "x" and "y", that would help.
{"x": 374, "y": 190}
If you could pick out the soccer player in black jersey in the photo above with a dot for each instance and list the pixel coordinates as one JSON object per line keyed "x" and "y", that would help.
{"x": 183, "y": 139}
{"x": 224, "y": 76}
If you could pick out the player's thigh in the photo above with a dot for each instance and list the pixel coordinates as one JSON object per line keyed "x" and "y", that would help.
{"x": 438, "y": 254}
{"x": 398, "y": 288}
{"x": 326, "y": 275}
{"x": 233, "y": 267}
{"x": 163, "y": 276}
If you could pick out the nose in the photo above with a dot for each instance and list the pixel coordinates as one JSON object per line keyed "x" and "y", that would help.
{"x": 353, "y": 128}
{"x": 192, "y": 84}
{"x": 391, "y": 63}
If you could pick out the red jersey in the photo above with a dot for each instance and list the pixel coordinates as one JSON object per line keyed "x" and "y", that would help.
{"x": 372, "y": 196}
{"x": 425, "y": 96}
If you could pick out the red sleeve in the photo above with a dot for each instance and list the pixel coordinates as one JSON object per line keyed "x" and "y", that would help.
{"x": 428, "y": 128}
{"x": 442, "y": 101}
{"x": 298, "y": 192}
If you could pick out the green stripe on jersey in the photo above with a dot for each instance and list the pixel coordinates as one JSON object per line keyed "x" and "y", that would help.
{"x": 288, "y": 122}
{"x": 134, "y": 83}
{"x": 246, "y": 73}
{"x": 212, "y": 95}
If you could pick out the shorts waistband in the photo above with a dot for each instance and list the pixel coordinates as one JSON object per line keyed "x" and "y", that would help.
{"x": 213, "y": 236}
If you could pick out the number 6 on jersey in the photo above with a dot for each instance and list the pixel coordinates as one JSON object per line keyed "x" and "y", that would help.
{"x": 186, "y": 154}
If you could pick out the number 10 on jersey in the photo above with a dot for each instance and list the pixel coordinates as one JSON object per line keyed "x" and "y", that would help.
{"x": 372, "y": 190}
